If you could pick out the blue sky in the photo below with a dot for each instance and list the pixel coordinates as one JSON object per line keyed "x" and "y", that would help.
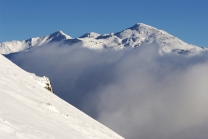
{"x": 22, "y": 19}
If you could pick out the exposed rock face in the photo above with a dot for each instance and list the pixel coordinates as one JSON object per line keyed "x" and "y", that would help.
{"x": 43, "y": 81}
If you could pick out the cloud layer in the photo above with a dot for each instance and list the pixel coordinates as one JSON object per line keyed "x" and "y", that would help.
{"x": 136, "y": 92}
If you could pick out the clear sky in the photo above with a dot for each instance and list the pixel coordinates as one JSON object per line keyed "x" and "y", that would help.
{"x": 22, "y": 19}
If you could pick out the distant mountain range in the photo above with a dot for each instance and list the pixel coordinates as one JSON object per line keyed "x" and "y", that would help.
{"x": 133, "y": 37}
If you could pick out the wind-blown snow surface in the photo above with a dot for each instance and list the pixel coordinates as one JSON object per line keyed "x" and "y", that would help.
{"x": 28, "y": 111}
{"x": 43, "y": 81}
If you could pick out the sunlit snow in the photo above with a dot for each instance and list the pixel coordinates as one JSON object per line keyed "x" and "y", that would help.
{"x": 29, "y": 111}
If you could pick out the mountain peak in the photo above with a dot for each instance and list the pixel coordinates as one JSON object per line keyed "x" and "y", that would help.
{"x": 90, "y": 35}
{"x": 60, "y": 34}
{"x": 141, "y": 26}
{"x": 60, "y": 31}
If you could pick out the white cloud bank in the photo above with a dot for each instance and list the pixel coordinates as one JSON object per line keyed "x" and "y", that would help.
{"x": 136, "y": 92}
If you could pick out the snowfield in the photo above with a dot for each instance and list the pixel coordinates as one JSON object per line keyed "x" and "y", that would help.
{"x": 43, "y": 81}
{"x": 29, "y": 111}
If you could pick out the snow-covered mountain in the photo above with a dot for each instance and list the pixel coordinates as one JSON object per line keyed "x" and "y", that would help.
{"x": 135, "y": 36}
{"x": 28, "y": 111}
{"x": 17, "y": 46}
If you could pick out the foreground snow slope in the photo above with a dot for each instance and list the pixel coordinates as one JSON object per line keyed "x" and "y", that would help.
{"x": 43, "y": 81}
{"x": 28, "y": 111}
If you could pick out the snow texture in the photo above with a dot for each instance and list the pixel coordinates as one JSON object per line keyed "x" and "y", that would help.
{"x": 43, "y": 81}
{"x": 28, "y": 111}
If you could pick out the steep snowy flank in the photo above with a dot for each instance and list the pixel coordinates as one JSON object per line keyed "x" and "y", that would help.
{"x": 17, "y": 46}
{"x": 28, "y": 111}
{"x": 135, "y": 36}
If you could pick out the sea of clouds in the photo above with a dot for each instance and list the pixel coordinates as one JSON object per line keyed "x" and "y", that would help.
{"x": 138, "y": 93}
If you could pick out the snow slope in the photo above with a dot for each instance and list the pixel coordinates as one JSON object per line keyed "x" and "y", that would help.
{"x": 43, "y": 81}
{"x": 28, "y": 111}
{"x": 135, "y": 36}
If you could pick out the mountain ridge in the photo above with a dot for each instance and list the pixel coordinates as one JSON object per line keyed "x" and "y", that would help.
{"x": 132, "y": 37}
